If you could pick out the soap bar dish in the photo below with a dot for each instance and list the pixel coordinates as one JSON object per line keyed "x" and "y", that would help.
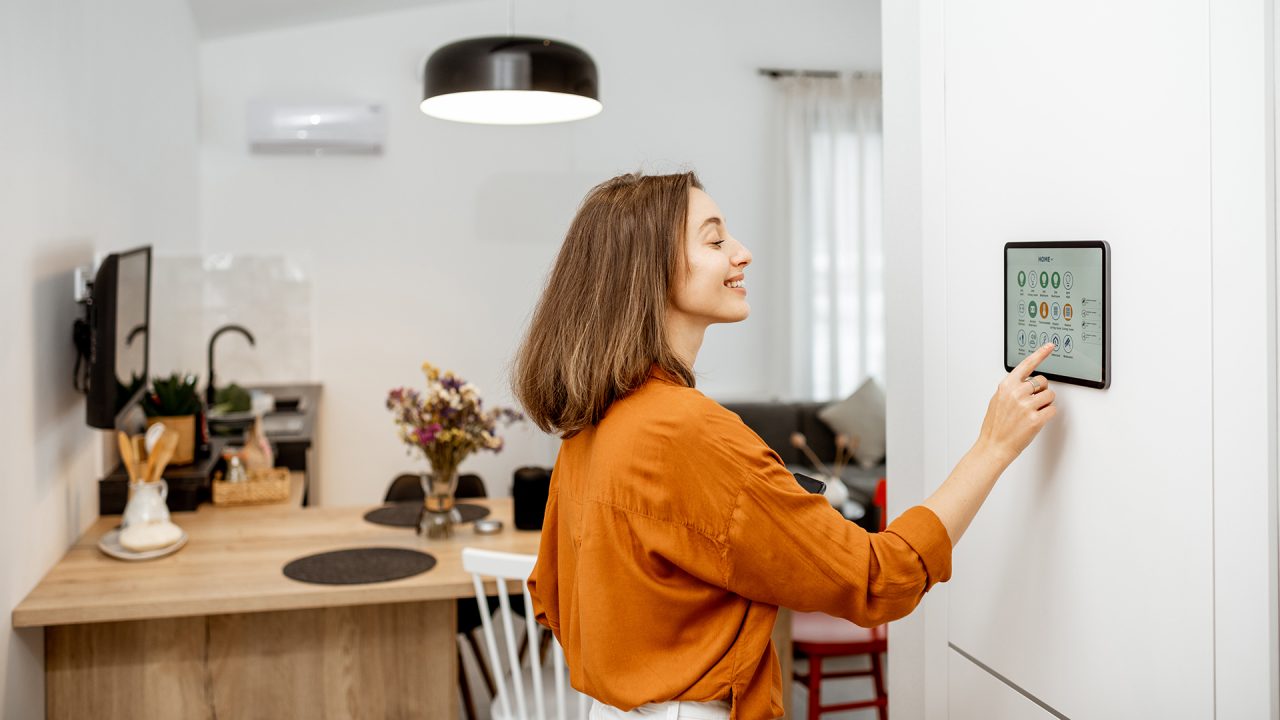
{"x": 109, "y": 544}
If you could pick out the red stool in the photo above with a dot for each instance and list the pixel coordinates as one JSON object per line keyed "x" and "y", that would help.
{"x": 815, "y": 636}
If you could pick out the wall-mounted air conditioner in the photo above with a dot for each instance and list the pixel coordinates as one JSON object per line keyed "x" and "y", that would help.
{"x": 317, "y": 127}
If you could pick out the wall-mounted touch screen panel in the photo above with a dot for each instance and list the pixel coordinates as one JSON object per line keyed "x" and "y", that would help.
{"x": 1059, "y": 292}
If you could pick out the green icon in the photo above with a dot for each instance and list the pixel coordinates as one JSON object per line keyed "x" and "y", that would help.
{"x": 1022, "y": 279}
{"x": 1044, "y": 279}
{"x": 1057, "y": 280}
{"x": 1031, "y": 308}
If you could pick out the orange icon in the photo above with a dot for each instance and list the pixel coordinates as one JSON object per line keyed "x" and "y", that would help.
{"x": 1066, "y": 313}
{"x": 1044, "y": 310}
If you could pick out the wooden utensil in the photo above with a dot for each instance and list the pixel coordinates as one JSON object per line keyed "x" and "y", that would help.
{"x": 139, "y": 453}
{"x": 147, "y": 465}
{"x": 127, "y": 457}
{"x": 144, "y": 458}
{"x": 165, "y": 447}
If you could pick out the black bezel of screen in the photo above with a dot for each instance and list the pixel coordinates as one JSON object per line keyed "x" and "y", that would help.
{"x": 103, "y": 407}
{"x": 1106, "y": 308}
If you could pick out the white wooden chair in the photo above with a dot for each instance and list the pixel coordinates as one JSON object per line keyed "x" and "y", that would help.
{"x": 551, "y": 695}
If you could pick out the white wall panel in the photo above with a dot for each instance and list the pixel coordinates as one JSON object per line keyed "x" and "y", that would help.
{"x": 975, "y": 694}
{"x": 1244, "y": 367}
{"x": 1125, "y": 566}
{"x": 915, "y": 193}
{"x": 1087, "y": 578}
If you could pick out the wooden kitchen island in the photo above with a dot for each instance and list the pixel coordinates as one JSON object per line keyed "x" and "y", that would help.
{"x": 217, "y": 631}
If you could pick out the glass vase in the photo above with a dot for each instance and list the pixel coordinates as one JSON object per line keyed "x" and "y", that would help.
{"x": 437, "y": 519}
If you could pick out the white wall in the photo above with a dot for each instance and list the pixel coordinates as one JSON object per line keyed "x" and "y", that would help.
{"x": 99, "y": 154}
{"x": 1124, "y": 566}
{"x": 437, "y": 249}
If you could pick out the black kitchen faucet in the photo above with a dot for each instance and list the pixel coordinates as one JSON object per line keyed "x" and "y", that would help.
{"x": 209, "y": 391}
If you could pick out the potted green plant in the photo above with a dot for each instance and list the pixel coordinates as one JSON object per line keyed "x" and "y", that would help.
{"x": 175, "y": 402}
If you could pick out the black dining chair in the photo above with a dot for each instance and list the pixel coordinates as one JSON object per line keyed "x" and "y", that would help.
{"x": 408, "y": 488}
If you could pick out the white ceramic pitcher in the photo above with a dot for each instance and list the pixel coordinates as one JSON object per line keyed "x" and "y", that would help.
{"x": 146, "y": 504}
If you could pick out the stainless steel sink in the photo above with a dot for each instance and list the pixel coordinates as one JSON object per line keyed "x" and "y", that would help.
{"x": 282, "y": 423}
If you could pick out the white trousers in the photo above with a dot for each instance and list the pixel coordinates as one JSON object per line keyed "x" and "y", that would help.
{"x": 717, "y": 710}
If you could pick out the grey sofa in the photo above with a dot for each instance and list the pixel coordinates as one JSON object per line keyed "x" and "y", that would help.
{"x": 774, "y": 422}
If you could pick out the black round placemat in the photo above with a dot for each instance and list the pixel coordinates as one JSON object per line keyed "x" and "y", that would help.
{"x": 359, "y": 565}
{"x": 405, "y": 514}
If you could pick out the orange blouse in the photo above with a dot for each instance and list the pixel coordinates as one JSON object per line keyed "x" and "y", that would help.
{"x": 672, "y": 535}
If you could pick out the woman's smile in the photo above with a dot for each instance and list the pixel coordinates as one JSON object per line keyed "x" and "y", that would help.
{"x": 711, "y": 251}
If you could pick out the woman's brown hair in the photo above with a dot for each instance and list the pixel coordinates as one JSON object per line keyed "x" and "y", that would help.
{"x": 600, "y": 324}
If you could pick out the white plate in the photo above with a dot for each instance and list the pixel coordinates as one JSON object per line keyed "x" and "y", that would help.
{"x": 110, "y": 544}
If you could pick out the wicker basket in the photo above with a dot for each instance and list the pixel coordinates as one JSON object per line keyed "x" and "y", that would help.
{"x": 263, "y": 487}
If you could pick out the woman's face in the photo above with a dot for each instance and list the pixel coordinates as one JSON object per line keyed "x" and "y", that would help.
{"x": 713, "y": 288}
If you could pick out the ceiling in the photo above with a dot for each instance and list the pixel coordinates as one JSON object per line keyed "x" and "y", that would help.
{"x": 220, "y": 18}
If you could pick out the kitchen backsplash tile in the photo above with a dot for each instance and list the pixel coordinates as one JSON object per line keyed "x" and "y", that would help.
{"x": 269, "y": 295}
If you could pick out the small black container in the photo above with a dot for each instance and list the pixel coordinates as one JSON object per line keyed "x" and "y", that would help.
{"x": 529, "y": 489}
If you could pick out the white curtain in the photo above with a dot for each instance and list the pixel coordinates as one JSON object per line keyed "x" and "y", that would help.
{"x": 832, "y": 154}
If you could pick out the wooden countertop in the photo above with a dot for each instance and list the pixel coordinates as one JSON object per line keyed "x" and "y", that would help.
{"x": 232, "y": 564}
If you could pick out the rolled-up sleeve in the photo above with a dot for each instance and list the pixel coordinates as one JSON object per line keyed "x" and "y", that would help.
{"x": 789, "y": 548}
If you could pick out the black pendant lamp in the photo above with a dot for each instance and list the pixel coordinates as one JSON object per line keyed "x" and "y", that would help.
{"x": 510, "y": 80}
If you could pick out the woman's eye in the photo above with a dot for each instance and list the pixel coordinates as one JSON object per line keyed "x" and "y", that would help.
{"x": 718, "y": 243}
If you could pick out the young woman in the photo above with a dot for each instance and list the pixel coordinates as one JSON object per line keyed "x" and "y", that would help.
{"x": 672, "y": 532}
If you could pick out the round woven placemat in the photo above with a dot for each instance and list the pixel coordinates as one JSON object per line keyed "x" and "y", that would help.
{"x": 405, "y": 514}
{"x": 359, "y": 565}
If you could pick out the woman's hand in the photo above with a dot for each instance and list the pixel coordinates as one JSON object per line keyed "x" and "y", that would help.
{"x": 1019, "y": 409}
{"x": 1021, "y": 406}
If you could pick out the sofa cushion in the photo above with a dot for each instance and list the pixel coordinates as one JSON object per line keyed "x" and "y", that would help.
{"x": 861, "y": 416}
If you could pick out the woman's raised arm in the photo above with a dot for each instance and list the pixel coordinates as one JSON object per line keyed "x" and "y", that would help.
{"x": 1020, "y": 408}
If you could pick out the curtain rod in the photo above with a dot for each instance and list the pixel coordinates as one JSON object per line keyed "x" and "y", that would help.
{"x": 775, "y": 73}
